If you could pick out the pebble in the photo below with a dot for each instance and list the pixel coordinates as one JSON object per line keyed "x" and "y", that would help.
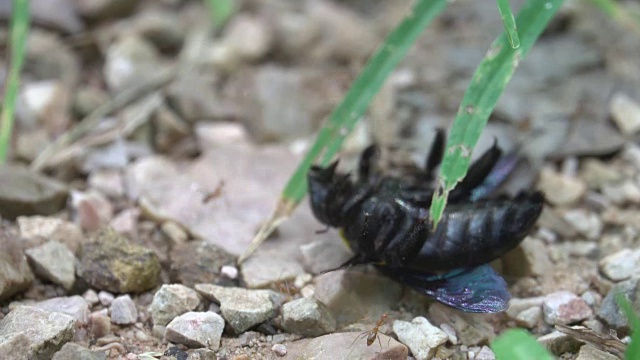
{"x": 590, "y": 352}
{"x": 471, "y": 330}
{"x": 597, "y": 174}
{"x": 196, "y": 329}
{"x": 307, "y": 317}
{"x": 585, "y": 222}
{"x": 561, "y": 190}
{"x": 248, "y": 36}
{"x": 92, "y": 209}
{"x": 565, "y": 308}
{"x": 27, "y": 193}
{"x": 529, "y": 318}
{"x": 518, "y": 305}
{"x": 129, "y": 61}
{"x": 623, "y": 192}
{"x": 625, "y": 112}
{"x": 451, "y": 333}
{"x": 99, "y": 324}
{"x": 105, "y": 297}
{"x": 609, "y": 310}
{"x": 75, "y": 306}
{"x": 188, "y": 260}
{"x": 346, "y": 345}
{"x": 37, "y": 229}
{"x": 172, "y": 300}
{"x": 104, "y": 9}
{"x": 53, "y": 261}
{"x": 15, "y": 346}
{"x": 123, "y": 310}
{"x": 15, "y": 274}
{"x": 91, "y": 296}
{"x": 174, "y": 232}
{"x": 621, "y": 265}
{"x": 559, "y": 343}
{"x": 241, "y": 308}
{"x": 110, "y": 262}
{"x": 266, "y": 267}
{"x": 46, "y": 331}
{"x": 323, "y": 255}
{"x": 339, "y": 290}
{"x": 420, "y": 336}
{"x": 71, "y": 351}
{"x": 279, "y": 349}
{"x": 531, "y": 257}
{"x": 485, "y": 353}
{"x": 231, "y": 272}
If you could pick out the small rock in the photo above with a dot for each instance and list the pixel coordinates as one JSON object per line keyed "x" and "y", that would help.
{"x": 249, "y": 338}
{"x": 471, "y": 330}
{"x": 339, "y": 290}
{"x": 589, "y": 352}
{"x": 174, "y": 232}
{"x": 27, "y": 193}
{"x": 597, "y": 174}
{"x": 99, "y": 324}
{"x": 231, "y": 272}
{"x": 420, "y": 336}
{"x": 104, "y": 9}
{"x": 529, "y": 318}
{"x": 107, "y": 181}
{"x": 15, "y": 346}
{"x": 91, "y": 297}
{"x": 38, "y": 229}
{"x": 240, "y": 307}
{"x": 279, "y": 350}
{"x": 609, "y": 310}
{"x": 93, "y": 210}
{"x": 196, "y": 329}
{"x": 307, "y": 317}
{"x": 87, "y": 99}
{"x": 323, "y": 255}
{"x": 54, "y": 262}
{"x": 110, "y": 262}
{"x": 625, "y": 113}
{"x": 198, "y": 262}
{"x": 518, "y": 305}
{"x": 105, "y": 298}
{"x": 171, "y": 301}
{"x": 559, "y": 343}
{"x": 71, "y": 351}
{"x": 249, "y": 36}
{"x": 529, "y": 258}
{"x": 585, "y": 222}
{"x": 267, "y": 267}
{"x": 346, "y": 345}
{"x": 451, "y": 333}
{"x": 47, "y": 331}
{"x": 126, "y": 223}
{"x": 130, "y": 61}
{"x": 561, "y": 190}
{"x": 123, "y": 310}
{"x": 15, "y": 274}
{"x": 75, "y": 306}
{"x": 160, "y": 27}
{"x": 485, "y": 354}
{"x": 621, "y": 193}
{"x": 565, "y": 308}
{"x": 621, "y": 265}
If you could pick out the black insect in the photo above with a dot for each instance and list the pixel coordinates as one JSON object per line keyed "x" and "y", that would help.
{"x": 384, "y": 220}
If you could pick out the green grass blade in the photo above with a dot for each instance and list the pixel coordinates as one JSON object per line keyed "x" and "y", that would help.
{"x": 633, "y": 351}
{"x": 488, "y": 83}
{"x": 362, "y": 91}
{"x": 350, "y": 110}
{"x": 509, "y": 23}
{"x": 221, "y": 10}
{"x": 517, "y": 344}
{"x": 618, "y": 13}
{"x": 19, "y": 30}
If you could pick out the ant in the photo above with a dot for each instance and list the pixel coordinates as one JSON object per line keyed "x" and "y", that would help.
{"x": 372, "y": 334}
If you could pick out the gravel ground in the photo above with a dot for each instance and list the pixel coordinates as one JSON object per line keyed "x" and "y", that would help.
{"x": 125, "y": 245}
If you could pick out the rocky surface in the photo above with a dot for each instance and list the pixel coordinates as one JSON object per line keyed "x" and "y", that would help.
{"x": 172, "y": 300}
{"x": 26, "y": 193}
{"x": 196, "y": 329}
{"x": 307, "y": 317}
{"x": 54, "y": 262}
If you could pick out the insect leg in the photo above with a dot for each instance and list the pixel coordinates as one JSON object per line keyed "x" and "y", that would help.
{"x": 366, "y": 159}
{"x": 435, "y": 154}
{"x": 477, "y": 173}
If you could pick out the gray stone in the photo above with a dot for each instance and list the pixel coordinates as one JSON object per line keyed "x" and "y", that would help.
{"x": 339, "y": 290}
{"x": 609, "y": 310}
{"x": 123, "y": 310}
{"x": 621, "y": 265}
{"x": 565, "y": 308}
{"x": 197, "y": 262}
{"x": 105, "y": 297}
{"x": 47, "y": 331}
{"x": 346, "y": 345}
{"x": 38, "y": 229}
{"x": 241, "y": 308}
{"x": 92, "y": 209}
{"x": 71, "y": 351}
{"x": 625, "y": 112}
{"x": 91, "y": 297}
{"x": 129, "y": 61}
{"x": 279, "y": 350}
{"x": 529, "y": 258}
{"x": 110, "y": 262}
{"x": 103, "y": 9}
{"x": 196, "y": 329}
{"x": 559, "y": 189}
{"x": 27, "y": 193}
{"x": 585, "y": 222}
{"x": 589, "y": 352}
{"x": 250, "y": 37}
{"x": 323, "y": 255}
{"x": 53, "y": 261}
{"x": 597, "y": 174}
{"x": 559, "y": 343}
{"x": 75, "y": 306}
{"x": 99, "y": 324}
{"x": 420, "y": 336}
{"x": 15, "y": 274}
{"x": 172, "y": 300}
{"x": 623, "y": 192}
{"x": 529, "y": 318}
{"x": 14, "y": 346}
{"x": 485, "y": 353}
{"x": 471, "y": 330}
{"x": 267, "y": 267}
{"x": 307, "y": 317}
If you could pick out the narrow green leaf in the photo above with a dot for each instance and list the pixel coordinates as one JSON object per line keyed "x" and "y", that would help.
{"x": 633, "y": 351}
{"x": 221, "y": 10}
{"x": 517, "y": 344}
{"x": 618, "y": 13}
{"x": 509, "y": 23}
{"x": 489, "y": 81}
{"x": 19, "y": 30}
{"x": 362, "y": 91}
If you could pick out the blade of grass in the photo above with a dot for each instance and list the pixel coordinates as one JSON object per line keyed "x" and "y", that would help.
{"x": 633, "y": 351}
{"x": 488, "y": 83}
{"x": 20, "y": 18}
{"x": 221, "y": 11}
{"x": 618, "y": 13}
{"x": 509, "y": 23}
{"x": 351, "y": 109}
{"x": 517, "y": 344}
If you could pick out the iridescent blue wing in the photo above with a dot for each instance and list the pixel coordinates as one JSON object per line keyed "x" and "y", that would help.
{"x": 477, "y": 290}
